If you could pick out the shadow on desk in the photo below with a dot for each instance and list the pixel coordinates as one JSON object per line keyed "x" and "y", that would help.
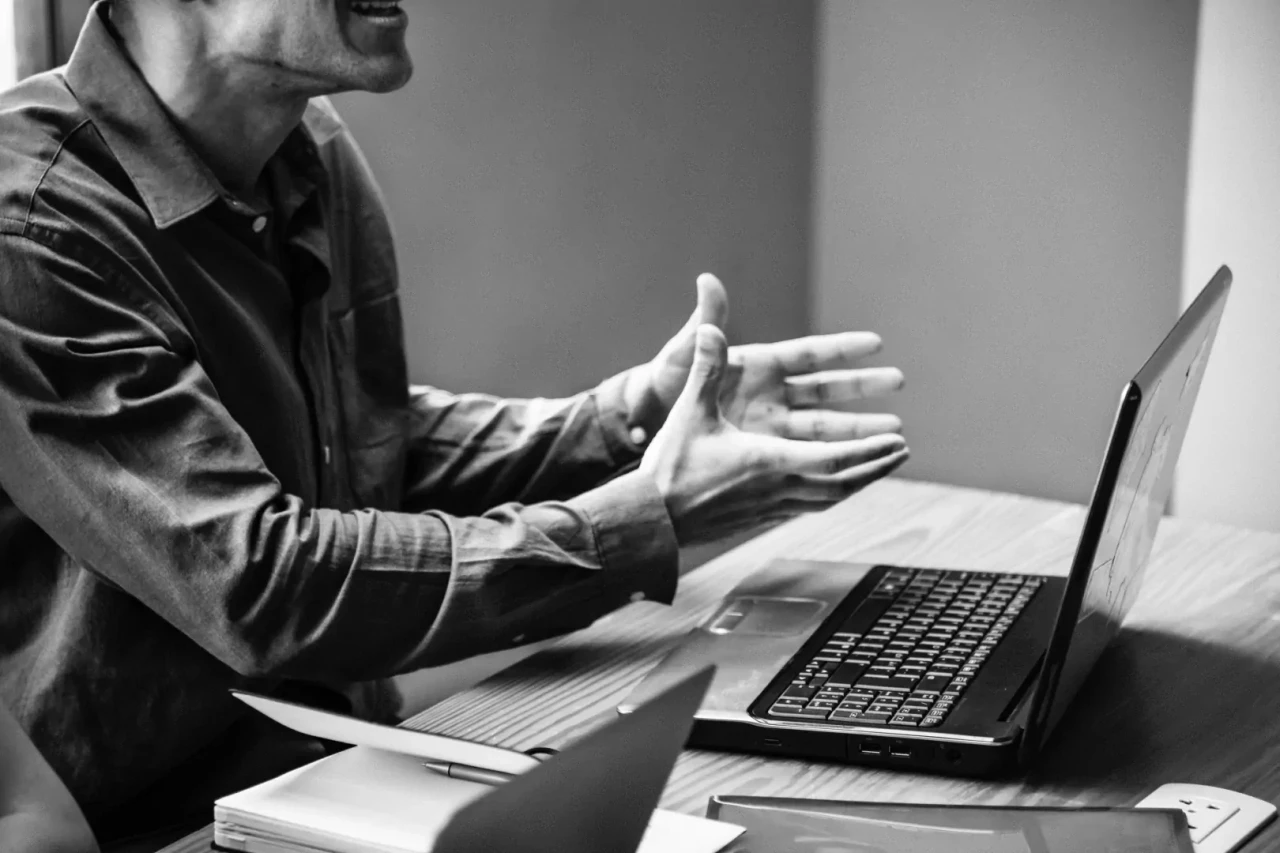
{"x": 1168, "y": 708}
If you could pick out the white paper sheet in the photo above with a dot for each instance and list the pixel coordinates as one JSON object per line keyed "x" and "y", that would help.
{"x": 344, "y": 729}
{"x": 366, "y": 800}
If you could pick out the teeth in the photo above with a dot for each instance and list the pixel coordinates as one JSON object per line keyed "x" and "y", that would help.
{"x": 375, "y": 7}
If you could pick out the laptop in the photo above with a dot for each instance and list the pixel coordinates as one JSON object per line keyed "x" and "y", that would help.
{"x": 958, "y": 672}
{"x": 597, "y": 796}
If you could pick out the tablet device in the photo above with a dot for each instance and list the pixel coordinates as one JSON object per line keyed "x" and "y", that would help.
{"x": 834, "y": 826}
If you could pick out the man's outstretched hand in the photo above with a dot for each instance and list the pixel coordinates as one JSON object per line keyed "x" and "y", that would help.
{"x": 790, "y": 389}
{"x": 717, "y": 479}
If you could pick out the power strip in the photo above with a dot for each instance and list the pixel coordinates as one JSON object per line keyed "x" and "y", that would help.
{"x": 1220, "y": 820}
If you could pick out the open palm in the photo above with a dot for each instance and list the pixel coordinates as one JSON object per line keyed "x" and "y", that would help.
{"x": 797, "y": 389}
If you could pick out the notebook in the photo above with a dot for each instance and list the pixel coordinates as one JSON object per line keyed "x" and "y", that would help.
{"x": 598, "y": 795}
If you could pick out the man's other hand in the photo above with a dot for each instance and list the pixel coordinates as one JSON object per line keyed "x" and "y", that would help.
{"x": 793, "y": 389}
{"x": 717, "y": 479}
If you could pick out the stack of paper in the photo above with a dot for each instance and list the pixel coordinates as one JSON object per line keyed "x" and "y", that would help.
{"x": 384, "y": 800}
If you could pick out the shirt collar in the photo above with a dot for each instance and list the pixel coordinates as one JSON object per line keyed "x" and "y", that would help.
{"x": 172, "y": 180}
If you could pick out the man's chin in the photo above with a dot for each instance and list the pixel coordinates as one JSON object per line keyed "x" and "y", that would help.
{"x": 378, "y": 78}
{"x": 389, "y": 77}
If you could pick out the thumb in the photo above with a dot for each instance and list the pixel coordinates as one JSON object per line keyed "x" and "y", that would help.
{"x": 710, "y": 355}
{"x": 713, "y": 302}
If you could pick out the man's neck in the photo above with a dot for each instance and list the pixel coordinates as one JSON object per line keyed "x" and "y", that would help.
{"x": 228, "y": 112}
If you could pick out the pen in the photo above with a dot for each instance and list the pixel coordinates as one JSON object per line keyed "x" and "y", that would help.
{"x": 468, "y": 773}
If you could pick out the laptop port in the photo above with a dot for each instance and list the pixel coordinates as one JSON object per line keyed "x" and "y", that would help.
{"x": 900, "y": 749}
{"x": 772, "y": 741}
{"x": 871, "y": 747}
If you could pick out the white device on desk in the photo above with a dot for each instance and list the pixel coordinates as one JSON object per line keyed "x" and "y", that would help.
{"x": 597, "y": 796}
{"x": 960, "y": 672}
{"x": 1220, "y": 821}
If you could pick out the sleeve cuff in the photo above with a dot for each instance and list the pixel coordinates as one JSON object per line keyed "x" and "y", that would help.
{"x": 638, "y": 551}
{"x": 626, "y": 433}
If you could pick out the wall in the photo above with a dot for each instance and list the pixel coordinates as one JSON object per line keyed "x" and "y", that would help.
{"x": 999, "y": 190}
{"x": 559, "y": 172}
{"x": 1230, "y": 466}
{"x": 8, "y": 47}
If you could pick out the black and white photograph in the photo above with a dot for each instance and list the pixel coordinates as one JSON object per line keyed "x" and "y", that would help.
{"x": 639, "y": 426}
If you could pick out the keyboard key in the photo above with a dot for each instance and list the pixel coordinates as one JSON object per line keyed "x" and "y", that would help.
{"x": 847, "y": 674}
{"x": 852, "y": 706}
{"x": 877, "y": 681}
{"x": 934, "y": 681}
{"x": 794, "y": 692}
{"x": 861, "y": 620}
{"x": 798, "y": 713}
{"x": 845, "y": 715}
{"x": 874, "y": 718}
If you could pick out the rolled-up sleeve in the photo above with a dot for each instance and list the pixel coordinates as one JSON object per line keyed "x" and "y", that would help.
{"x": 117, "y": 446}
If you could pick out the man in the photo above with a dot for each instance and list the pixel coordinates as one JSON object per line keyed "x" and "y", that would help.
{"x": 37, "y": 814}
{"x": 214, "y": 469}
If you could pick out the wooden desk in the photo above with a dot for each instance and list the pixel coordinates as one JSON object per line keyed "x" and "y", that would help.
{"x": 1189, "y": 692}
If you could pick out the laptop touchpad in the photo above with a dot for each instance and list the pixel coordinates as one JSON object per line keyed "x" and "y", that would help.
{"x": 774, "y": 617}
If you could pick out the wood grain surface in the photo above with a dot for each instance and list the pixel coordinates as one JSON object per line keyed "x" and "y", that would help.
{"x": 1189, "y": 691}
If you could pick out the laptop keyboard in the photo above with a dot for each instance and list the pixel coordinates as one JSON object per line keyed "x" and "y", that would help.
{"x": 907, "y": 653}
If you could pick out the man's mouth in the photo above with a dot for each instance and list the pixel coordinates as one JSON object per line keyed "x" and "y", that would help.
{"x": 388, "y": 10}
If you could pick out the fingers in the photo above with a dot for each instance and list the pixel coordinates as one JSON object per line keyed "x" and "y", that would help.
{"x": 713, "y": 302}
{"x": 826, "y": 489}
{"x": 842, "y": 386}
{"x": 710, "y": 355}
{"x": 821, "y": 352}
{"x": 808, "y": 457}
{"x": 826, "y": 425}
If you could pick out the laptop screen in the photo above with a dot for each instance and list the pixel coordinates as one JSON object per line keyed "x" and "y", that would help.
{"x": 1129, "y": 500}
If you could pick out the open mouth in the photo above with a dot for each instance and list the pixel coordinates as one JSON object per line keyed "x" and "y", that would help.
{"x": 377, "y": 10}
